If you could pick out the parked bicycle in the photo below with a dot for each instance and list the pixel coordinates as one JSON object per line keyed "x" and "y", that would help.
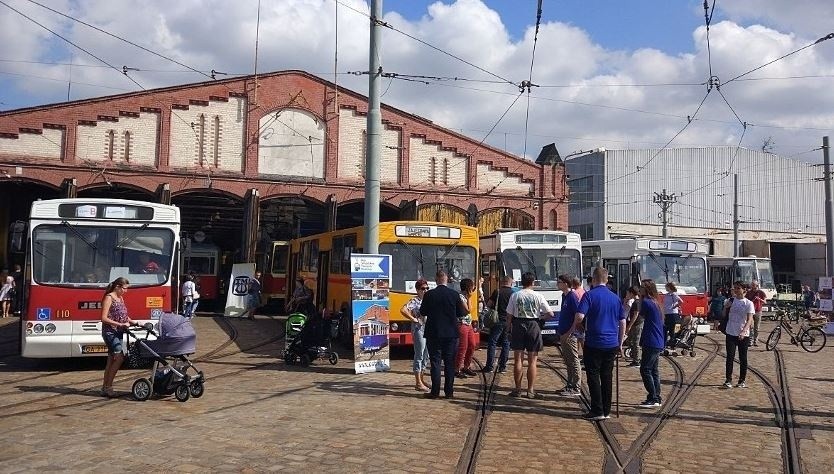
{"x": 793, "y": 310}
{"x": 808, "y": 334}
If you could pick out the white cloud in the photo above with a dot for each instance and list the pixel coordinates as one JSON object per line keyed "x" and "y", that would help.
{"x": 300, "y": 34}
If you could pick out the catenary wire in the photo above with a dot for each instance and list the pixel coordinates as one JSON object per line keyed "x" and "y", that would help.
{"x": 119, "y": 38}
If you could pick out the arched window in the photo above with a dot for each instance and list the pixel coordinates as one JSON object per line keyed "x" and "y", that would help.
{"x": 552, "y": 220}
{"x": 127, "y": 147}
{"x": 433, "y": 171}
{"x": 111, "y": 138}
{"x": 201, "y": 141}
{"x": 216, "y": 141}
{"x": 445, "y": 170}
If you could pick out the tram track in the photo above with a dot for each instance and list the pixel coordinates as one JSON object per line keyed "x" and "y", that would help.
{"x": 780, "y": 398}
{"x": 70, "y": 388}
{"x": 618, "y": 459}
{"x": 477, "y": 431}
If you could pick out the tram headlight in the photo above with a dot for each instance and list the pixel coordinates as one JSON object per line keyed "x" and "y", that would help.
{"x": 394, "y": 327}
{"x": 28, "y": 332}
{"x": 38, "y": 328}
{"x": 50, "y": 328}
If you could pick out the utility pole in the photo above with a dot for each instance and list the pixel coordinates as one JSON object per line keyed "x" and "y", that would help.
{"x": 735, "y": 215}
{"x": 829, "y": 212}
{"x": 374, "y": 125}
{"x": 665, "y": 201}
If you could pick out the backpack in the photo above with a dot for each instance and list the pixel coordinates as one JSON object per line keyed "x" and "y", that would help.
{"x": 725, "y": 316}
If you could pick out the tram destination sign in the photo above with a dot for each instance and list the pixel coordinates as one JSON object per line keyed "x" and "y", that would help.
{"x": 105, "y": 211}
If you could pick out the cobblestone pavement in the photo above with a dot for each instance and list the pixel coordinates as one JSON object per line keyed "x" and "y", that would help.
{"x": 259, "y": 415}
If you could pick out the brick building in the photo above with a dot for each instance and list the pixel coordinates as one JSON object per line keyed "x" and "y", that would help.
{"x": 287, "y": 148}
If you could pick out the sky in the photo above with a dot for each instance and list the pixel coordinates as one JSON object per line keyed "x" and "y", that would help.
{"x": 606, "y": 73}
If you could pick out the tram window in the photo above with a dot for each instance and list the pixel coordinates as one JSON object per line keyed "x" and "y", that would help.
{"x": 349, "y": 246}
{"x": 336, "y": 253}
{"x": 279, "y": 259}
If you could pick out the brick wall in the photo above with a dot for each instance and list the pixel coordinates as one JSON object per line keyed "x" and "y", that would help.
{"x": 48, "y": 143}
{"x": 501, "y": 182}
{"x": 217, "y": 125}
{"x": 352, "y": 129}
{"x": 108, "y": 139}
{"x": 432, "y": 166}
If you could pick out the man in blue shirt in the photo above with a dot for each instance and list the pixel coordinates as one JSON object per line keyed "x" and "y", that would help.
{"x": 567, "y": 338}
{"x": 604, "y": 335}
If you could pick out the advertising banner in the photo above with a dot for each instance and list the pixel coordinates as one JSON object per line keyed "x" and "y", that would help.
{"x": 370, "y": 282}
{"x": 826, "y": 303}
{"x": 237, "y": 294}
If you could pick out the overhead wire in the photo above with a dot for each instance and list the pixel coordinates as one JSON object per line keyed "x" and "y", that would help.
{"x": 820, "y": 40}
{"x": 112, "y": 35}
{"x": 120, "y": 71}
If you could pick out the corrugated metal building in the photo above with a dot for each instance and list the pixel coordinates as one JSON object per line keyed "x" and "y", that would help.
{"x": 780, "y": 201}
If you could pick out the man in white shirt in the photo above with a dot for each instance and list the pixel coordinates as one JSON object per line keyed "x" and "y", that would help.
{"x": 523, "y": 312}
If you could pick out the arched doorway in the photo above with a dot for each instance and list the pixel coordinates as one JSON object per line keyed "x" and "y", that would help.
{"x": 352, "y": 214}
{"x": 289, "y": 217}
{"x": 17, "y": 196}
{"x": 440, "y": 212}
{"x": 117, "y": 191}
{"x": 502, "y": 217}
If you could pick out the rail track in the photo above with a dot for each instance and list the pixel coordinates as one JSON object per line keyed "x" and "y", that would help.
{"x": 629, "y": 460}
{"x": 780, "y": 397}
{"x": 474, "y": 438}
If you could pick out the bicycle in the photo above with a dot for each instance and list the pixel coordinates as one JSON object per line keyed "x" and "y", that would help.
{"x": 792, "y": 310}
{"x": 810, "y": 337}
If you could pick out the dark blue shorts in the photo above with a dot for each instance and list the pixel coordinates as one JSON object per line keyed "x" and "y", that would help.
{"x": 113, "y": 340}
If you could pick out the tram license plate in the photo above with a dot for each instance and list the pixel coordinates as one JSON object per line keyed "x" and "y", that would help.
{"x": 93, "y": 349}
{"x": 548, "y": 331}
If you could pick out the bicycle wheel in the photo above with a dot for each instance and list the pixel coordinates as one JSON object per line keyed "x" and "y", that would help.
{"x": 773, "y": 338}
{"x": 812, "y": 339}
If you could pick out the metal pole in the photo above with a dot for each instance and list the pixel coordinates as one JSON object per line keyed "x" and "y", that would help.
{"x": 665, "y": 222}
{"x": 374, "y": 125}
{"x": 735, "y": 215}
{"x": 829, "y": 212}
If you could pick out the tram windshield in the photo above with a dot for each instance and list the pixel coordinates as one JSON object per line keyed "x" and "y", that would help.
{"x": 92, "y": 256}
{"x": 546, "y": 264}
{"x": 749, "y": 270}
{"x": 413, "y": 261}
{"x": 688, "y": 272}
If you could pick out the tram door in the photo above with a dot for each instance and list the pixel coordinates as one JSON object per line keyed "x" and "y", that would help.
{"x": 619, "y": 275}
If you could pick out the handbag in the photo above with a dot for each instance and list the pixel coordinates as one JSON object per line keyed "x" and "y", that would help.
{"x": 195, "y": 295}
{"x": 490, "y": 317}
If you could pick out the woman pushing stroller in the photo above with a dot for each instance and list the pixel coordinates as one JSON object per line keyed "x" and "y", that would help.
{"x": 114, "y": 323}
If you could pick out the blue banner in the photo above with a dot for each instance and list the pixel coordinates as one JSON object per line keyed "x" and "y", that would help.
{"x": 370, "y": 283}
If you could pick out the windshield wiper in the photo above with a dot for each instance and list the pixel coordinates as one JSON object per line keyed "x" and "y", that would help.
{"x": 418, "y": 256}
{"x": 664, "y": 268}
{"x": 531, "y": 263}
{"x": 130, "y": 236}
{"x": 79, "y": 234}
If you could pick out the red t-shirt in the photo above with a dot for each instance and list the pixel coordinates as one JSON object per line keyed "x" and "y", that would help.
{"x": 757, "y": 297}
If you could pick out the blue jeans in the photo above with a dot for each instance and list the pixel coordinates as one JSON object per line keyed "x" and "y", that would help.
{"x": 442, "y": 351}
{"x": 188, "y": 309}
{"x": 650, "y": 374}
{"x": 498, "y": 335}
{"x": 421, "y": 352}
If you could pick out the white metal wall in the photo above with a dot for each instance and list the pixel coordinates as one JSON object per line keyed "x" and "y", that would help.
{"x": 776, "y": 194}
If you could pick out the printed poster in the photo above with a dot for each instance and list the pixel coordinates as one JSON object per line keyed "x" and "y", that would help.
{"x": 370, "y": 282}
{"x": 826, "y": 303}
{"x": 238, "y": 289}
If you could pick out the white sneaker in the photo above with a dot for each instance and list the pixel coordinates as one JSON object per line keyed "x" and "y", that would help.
{"x": 727, "y": 385}
{"x": 648, "y": 404}
{"x": 741, "y": 385}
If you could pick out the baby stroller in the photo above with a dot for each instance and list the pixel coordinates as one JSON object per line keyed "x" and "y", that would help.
{"x": 684, "y": 338}
{"x": 309, "y": 341}
{"x": 169, "y": 352}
